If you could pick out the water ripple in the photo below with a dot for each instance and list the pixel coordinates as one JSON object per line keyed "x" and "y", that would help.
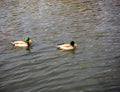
{"x": 93, "y": 66}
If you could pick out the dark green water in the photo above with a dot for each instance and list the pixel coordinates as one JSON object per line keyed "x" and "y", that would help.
{"x": 93, "y": 67}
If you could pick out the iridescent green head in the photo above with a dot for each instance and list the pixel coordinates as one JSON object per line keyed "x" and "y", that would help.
{"x": 72, "y": 43}
{"x": 26, "y": 39}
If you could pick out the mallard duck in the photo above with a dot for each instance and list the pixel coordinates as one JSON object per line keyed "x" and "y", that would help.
{"x": 22, "y": 43}
{"x": 67, "y": 46}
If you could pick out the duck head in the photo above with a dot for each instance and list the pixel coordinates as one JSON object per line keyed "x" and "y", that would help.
{"x": 27, "y": 40}
{"x": 72, "y": 43}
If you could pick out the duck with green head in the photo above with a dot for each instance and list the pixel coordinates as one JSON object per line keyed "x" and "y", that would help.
{"x": 22, "y": 43}
{"x": 67, "y": 46}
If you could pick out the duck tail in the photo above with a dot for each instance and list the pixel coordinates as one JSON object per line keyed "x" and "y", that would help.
{"x": 13, "y": 43}
{"x": 58, "y": 46}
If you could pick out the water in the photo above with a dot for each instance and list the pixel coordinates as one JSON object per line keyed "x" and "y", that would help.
{"x": 92, "y": 67}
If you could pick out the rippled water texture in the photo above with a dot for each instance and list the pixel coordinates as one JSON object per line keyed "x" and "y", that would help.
{"x": 93, "y": 67}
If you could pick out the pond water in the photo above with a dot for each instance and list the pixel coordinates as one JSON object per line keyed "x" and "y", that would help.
{"x": 93, "y": 67}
